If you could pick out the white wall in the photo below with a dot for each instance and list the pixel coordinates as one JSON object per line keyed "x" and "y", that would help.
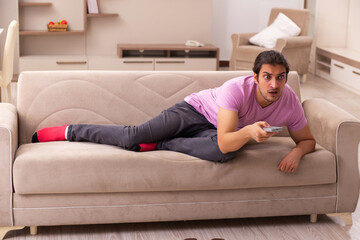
{"x": 145, "y": 21}
{"x": 239, "y": 16}
{"x": 353, "y": 35}
{"x": 337, "y": 24}
{"x": 8, "y": 12}
{"x": 331, "y": 23}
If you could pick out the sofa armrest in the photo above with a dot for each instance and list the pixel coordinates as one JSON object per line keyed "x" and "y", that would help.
{"x": 293, "y": 42}
{"x": 241, "y": 39}
{"x": 238, "y": 39}
{"x": 339, "y": 132}
{"x": 8, "y": 147}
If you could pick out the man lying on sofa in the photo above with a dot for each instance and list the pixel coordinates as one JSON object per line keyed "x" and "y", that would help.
{"x": 214, "y": 123}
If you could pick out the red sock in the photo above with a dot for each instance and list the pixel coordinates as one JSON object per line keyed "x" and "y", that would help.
{"x": 144, "y": 147}
{"x": 52, "y": 134}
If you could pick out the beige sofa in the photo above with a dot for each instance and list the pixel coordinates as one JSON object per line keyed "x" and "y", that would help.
{"x": 63, "y": 183}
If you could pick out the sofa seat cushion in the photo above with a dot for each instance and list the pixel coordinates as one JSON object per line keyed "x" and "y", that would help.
{"x": 79, "y": 167}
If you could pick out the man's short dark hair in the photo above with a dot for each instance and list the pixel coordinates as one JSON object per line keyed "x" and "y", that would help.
{"x": 270, "y": 57}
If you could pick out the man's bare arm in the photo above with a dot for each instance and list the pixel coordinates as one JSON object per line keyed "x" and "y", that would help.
{"x": 305, "y": 143}
{"x": 230, "y": 139}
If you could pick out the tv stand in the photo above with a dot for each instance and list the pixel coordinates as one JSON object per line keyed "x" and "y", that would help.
{"x": 169, "y": 56}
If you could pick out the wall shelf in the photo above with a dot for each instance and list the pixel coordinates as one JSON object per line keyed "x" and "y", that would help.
{"x": 34, "y": 4}
{"x": 42, "y": 33}
{"x": 323, "y": 63}
{"x": 102, "y": 15}
{"x": 25, "y": 31}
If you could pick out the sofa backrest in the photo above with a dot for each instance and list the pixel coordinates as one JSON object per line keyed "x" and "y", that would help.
{"x": 54, "y": 98}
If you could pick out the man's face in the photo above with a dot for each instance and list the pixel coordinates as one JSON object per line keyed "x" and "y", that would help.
{"x": 270, "y": 83}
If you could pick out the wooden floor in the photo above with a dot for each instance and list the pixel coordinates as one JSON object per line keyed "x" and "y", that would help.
{"x": 292, "y": 227}
{"x": 316, "y": 87}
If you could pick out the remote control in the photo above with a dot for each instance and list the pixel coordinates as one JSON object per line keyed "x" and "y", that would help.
{"x": 273, "y": 129}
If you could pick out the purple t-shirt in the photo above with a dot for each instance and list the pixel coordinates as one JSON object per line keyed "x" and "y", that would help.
{"x": 239, "y": 94}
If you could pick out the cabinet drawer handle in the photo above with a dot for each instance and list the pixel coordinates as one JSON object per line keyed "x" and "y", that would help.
{"x": 70, "y": 62}
{"x": 137, "y": 61}
{"x": 339, "y": 66}
{"x": 357, "y": 73}
{"x": 170, "y": 61}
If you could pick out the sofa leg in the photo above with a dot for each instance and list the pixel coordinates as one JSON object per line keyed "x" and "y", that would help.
{"x": 346, "y": 217}
{"x": 33, "y": 230}
{"x": 313, "y": 218}
{"x": 5, "y": 230}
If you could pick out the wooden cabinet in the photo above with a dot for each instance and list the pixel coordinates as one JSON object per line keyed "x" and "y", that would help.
{"x": 322, "y": 63}
{"x": 168, "y": 57}
{"x": 114, "y": 62}
{"x": 345, "y": 75}
{"x": 339, "y": 65}
{"x": 56, "y": 62}
{"x": 150, "y": 64}
{"x": 189, "y": 64}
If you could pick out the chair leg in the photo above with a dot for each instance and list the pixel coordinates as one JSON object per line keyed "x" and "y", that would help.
{"x": 8, "y": 90}
{"x": 313, "y": 218}
{"x": 33, "y": 230}
{"x": 5, "y": 230}
{"x": 3, "y": 95}
{"x": 6, "y": 94}
{"x": 303, "y": 78}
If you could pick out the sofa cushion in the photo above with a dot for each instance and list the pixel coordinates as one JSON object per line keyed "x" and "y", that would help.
{"x": 79, "y": 167}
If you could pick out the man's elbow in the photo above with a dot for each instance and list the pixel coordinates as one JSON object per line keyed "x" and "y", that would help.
{"x": 223, "y": 149}
{"x": 313, "y": 145}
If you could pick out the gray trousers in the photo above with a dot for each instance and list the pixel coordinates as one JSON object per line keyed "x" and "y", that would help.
{"x": 180, "y": 128}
